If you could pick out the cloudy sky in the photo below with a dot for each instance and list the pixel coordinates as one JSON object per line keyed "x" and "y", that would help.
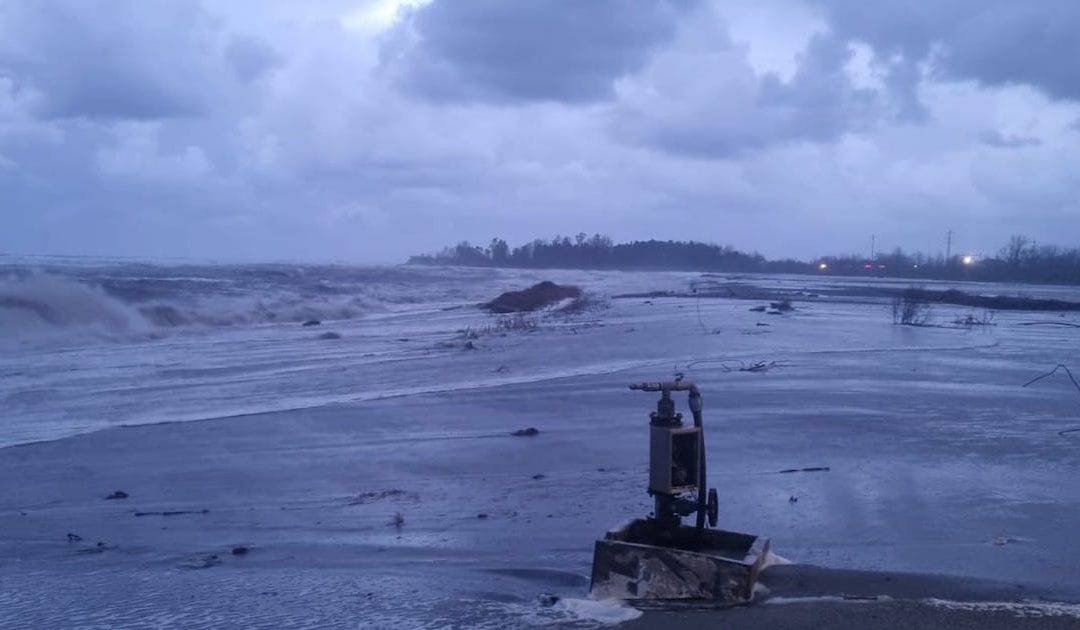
{"x": 368, "y": 130}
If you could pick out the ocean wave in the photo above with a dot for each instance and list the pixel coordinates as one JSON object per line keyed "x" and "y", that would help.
{"x": 35, "y": 304}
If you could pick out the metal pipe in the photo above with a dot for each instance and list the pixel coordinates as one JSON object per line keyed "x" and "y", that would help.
{"x": 695, "y": 409}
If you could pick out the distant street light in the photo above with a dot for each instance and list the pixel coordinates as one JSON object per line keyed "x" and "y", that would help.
{"x": 969, "y": 260}
{"x": 823, "y": 266}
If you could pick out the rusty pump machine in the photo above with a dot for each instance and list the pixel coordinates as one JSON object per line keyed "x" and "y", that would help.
{"x": 658, "y": 557}
{"x": 677, "y": 459}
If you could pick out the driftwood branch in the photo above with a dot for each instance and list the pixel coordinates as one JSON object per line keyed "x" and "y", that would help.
{"x": 1072, "y": 378}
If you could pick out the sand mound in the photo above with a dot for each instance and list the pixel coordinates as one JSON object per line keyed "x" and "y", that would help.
{"x": 534, "y": 298}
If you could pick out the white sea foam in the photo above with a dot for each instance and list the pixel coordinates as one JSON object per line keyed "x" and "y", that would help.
{"x": 772, "y": 560}
{"x": 603, "y": 612}
{"x": 1019, "y": 609}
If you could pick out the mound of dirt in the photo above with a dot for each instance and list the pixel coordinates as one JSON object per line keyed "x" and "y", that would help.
{"x": 534, "y": 298}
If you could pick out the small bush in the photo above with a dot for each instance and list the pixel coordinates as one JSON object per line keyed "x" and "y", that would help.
{"x": 910, "y": 309}
{"x": 971, "y": 320}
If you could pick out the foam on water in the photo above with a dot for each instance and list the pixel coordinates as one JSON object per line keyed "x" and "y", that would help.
{"x": 1029, "y": 609}
{"x": 572, "y": 612}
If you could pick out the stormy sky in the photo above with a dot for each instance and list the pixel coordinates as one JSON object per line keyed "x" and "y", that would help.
{"x": 367, "y": 130}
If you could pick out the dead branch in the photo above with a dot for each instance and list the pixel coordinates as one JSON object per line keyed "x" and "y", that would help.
{"x": 1051, "y": 373}
{"x": 1059, "y": 366}
{"x": 1067, "y": 324}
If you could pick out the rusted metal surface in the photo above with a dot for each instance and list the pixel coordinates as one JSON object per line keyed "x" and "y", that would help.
{"x": 638, "y": 562}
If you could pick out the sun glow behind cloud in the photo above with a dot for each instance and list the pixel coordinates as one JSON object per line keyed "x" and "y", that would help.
{"x": 378, "y": 15}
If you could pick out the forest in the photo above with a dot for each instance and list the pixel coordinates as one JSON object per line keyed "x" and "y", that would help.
{"x": 1019, "y": 260}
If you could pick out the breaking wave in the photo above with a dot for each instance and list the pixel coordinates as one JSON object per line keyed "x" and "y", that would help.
{"x": 35, "y": 304}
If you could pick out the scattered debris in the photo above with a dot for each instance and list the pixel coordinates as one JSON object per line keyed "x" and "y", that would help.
{"x": 538, "y": 477}
{"x": 502, "y": 369}
{"x": 1068, "y": 324}
{"x": 481, "y": 515}
{"x": 757, "y": 309}
{"x": 760, "y": 366}
{"x": 100, "y": 547}
{"x": 470, "y": 346}
{"x": 762, "y": 324}
{"x": 398, "y": 520}
{"x": 783, "y": 306}
{"x": 518, "y": 322}
{"x": 172, "y": 512}
{"x": 793, "y": 499}
{"x": 534, "y": 298}
{"x": 585, "y": 304}
{"x": 311, "y": 322}
{"x": 526, "y": 432}
{"x": 119, "y": 494}
{"x": 330, "y": 335}
{"x": 73, "y": 537}
{"x": 810, "y": 469}
{"x": 203, "y": 563}
{"x": 971, "y": 320}
{"x": 240, "y": 551}
{"x": 380, "y": 495}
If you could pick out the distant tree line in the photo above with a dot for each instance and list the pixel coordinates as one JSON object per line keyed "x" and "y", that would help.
{"x": 1019, "y": 261}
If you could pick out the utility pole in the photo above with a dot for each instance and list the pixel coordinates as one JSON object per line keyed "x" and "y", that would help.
{"x": 873, "y": 243}
{"x": 948, "y": 246}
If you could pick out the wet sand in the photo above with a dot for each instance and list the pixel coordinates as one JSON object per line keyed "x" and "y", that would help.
{"x": 939, "y": 463}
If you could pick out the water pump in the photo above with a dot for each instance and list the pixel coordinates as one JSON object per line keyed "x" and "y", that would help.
{"x": 677, "y": 459}
{"x": 657, "y": 557}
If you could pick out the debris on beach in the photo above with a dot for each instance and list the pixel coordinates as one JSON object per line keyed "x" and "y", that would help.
{"x": 240, "y": 551}
{"x": 330, "y": 335}
{"x": 311, "y": 322}
{"x": 398, "y": 520}
{"x": 100, "y": 547}
{"x": 73, "y": 537}
{"x": 173, "y": 512}
{"x": 809, "y": 469}
{"x": 380, "y": 495}
{"x": 526, "y": 432}
{"x": 119, "y": 494}
{"x": 203, "y": 563}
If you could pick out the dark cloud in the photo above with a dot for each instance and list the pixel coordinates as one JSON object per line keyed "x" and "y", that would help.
{"x": 995, "y": 42}
{"x": 557, "y": 50}
{"x": 355, "y": 129}
{"x": 250, "y": 58}
{"x": 716, "y": 105}
{"x": 111, "y": 60}
{"x": 998, "y": 140}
